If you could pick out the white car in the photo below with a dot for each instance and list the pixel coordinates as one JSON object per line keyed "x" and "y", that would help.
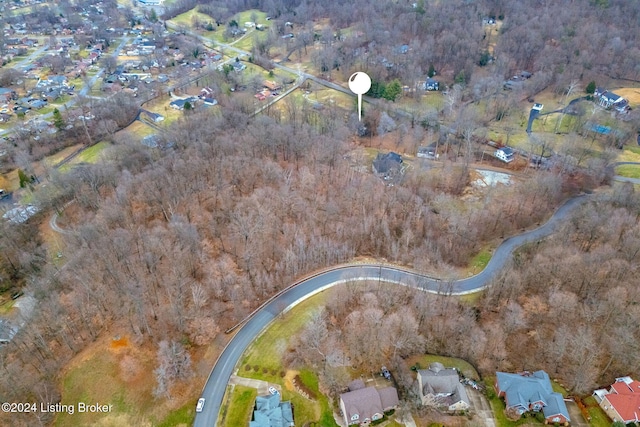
{"x": 273, "y": 390}
{"x": 200, "y": 404}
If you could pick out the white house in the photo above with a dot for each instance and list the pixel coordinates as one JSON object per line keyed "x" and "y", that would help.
{"x": 505, "y": 154}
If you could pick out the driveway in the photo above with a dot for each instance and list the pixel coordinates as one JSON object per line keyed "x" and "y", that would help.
{"x": 577, "y": 420}
{"x": 480, "y": 407}
{"x": 261, "y": 386}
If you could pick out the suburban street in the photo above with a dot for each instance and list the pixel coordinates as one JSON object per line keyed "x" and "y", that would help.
{"x": 216, "y": 384}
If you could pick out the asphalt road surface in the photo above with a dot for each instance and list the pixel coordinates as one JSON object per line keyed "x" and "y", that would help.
{"x": 216, "y": 384}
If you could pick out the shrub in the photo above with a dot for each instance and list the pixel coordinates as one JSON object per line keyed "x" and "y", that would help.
{"x": 247, "y": 367}
{"x": 302, "y": 387}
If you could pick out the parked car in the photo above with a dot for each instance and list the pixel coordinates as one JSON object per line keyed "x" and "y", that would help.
{"x": 200, "y": 405}
{"x": 273, "y": 390}
{"x": 385, "y": 373}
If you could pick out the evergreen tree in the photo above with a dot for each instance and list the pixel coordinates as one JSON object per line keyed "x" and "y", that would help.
{"x": 24, "y": 179}
{"x": 393, "y": 90}
{"x": 591, "y": 87}
{"x": 58, "y": 121}
{"x": 377, "y": 89}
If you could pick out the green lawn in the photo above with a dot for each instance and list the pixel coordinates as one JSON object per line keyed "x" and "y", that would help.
{"x": 598, "y": 417}
{"x": 629, "y": 171}
{"x": 239, "y": 405}
{"x": 480, "y": 261}
{"x": 89, "y": 155}
{"x": 247, "y": 15}
{"x": 138, "y": 129}
{"x": 264, "y": 359}
{"x": 92, "y": 154}
{"x": 7, "y": 307}
{"x": 247, "y": 41}
{"x": 631, "y": 153}
{"x": 180, "y": 417}
{"x": 449, "y": 362}
{"x": 186, "y": 19}
{"x": 129, "y": 394}
{"x": 79, "y": 385}
{"x": 266, "y": 351}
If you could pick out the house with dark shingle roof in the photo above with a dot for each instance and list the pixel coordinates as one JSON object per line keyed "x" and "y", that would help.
{"x": 7, "y": 331}
{"x": 388, "y": 165}
{"x": 609, "y": 99}
{"x": 526, "y": 391}
{"x": 441, "y": 387}
{"x": 271, "y": 412}
{"x": 362, "y": 405}
{"x": 621, "y": 401}
{"x": 179, "y": 104}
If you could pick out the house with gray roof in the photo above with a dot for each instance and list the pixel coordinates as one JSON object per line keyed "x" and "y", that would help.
{"x": 7, "y": 331}
{"x": 526, "y": 391}
{"x": 362, "y": 405}
{"x": 271, "y": 412}
{"x": 388, "y": 166}
{"x": 441, "y": 387}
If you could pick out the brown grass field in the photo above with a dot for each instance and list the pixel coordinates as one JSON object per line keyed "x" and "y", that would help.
{"x": 630, "y": 93}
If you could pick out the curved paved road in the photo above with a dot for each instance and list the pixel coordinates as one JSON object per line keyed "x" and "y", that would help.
{"x": 216, "y": 385}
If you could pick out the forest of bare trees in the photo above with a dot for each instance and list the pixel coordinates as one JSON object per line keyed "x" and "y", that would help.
{"x": 181, "y": 246}
{"x": 568, "y": 305}
{"x": 559, "y": 40}
{"x": 172, "y": 246}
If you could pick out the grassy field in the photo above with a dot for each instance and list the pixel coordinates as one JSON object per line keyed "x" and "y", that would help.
{"x": 629, "y": 171}
{"x": 125, "y": 383}
{"x": 449, "y": 362}
{"x": 58, "y": 157}
{"x": 138, "y": 130}
{"x": 266, "y": 353}
{"x": 78, "y": 386}
{"x": 238, "y": 407}
{"x": 318, "y": 94}
{"x": 480, "y": 261}
{"x": 630, "y": 154}
{"x": 598, "y": 417}
{"x": 248, "y": 40}
{"x": 160, "y": 105}
{"x": 187, "y": 18}
{"x": 630, "y": 93}
{"x": 6, "y": 307}
{"x": 89, "y": 155}
{"x": 267, "y": 350}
